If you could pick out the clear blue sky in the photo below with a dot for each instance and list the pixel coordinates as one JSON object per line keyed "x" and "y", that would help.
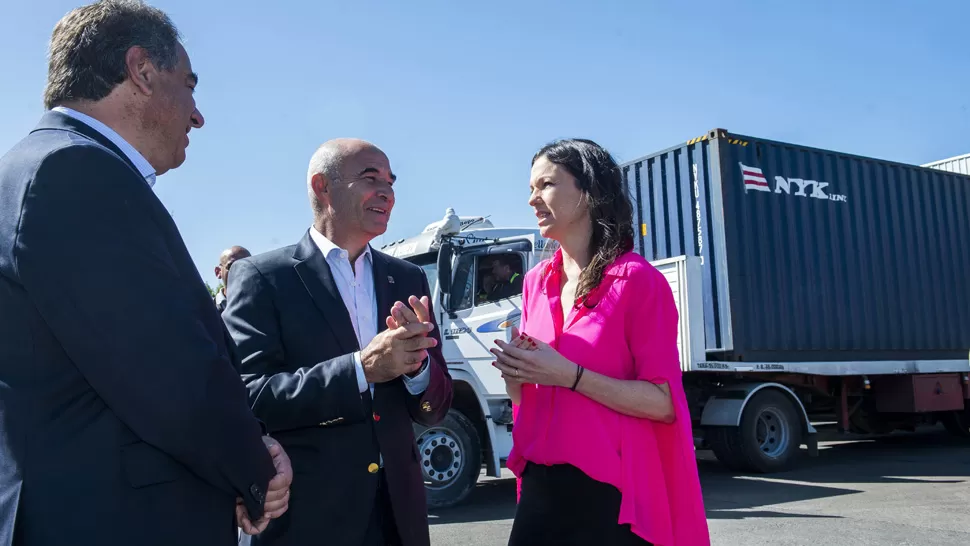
{"x": 460, "y": 94}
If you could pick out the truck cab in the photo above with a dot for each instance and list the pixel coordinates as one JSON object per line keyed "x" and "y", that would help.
{"x": 473, "y": 307}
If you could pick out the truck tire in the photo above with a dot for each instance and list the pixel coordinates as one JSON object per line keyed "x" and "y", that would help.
{"x": 768, "y": 439}
{"x": 450, "y": 457}
{"x": 725, "y": 448}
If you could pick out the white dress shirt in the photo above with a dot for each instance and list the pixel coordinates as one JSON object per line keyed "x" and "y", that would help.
{"x": 144, "y": 167}
{"x": 356, "y": 287}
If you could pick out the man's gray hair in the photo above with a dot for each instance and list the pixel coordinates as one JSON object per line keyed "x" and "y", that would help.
{"x": 88, "y": 48}
{"x": 326, "y": 161}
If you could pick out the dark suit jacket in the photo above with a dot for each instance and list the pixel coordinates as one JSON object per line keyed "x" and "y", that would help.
{"x": 122, "y": 419}
{"x": 296, "y": 343}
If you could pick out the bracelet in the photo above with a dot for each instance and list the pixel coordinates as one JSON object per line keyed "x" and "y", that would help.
{"x": 579, "y": 374}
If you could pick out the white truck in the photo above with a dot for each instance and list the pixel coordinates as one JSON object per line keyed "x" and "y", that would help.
{"x": 811, "y": 285}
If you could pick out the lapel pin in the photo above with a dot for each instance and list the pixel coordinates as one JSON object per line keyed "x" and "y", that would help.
{"x": 390, "y": 279}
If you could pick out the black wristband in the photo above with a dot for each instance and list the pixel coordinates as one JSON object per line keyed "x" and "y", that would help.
{"x": 579, "y": 374}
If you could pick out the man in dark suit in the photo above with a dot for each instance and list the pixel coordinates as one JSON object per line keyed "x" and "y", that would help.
{"x": 337, "y": 366}
{"x": 122, "y": 418}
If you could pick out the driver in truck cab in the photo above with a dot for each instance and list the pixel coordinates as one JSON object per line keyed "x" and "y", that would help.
{"x": 508, "y": 280}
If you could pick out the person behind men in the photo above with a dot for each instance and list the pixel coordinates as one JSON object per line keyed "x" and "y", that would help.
{"x": 598, "y": 354}
{"x": 337, "y": 365}
{"x": 226, "y": 259}
{"x": 122, "y": 419}
{"x": 508, "y": 281}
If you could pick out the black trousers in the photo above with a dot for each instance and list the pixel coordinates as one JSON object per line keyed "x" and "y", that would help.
{"x": 560, "y": 505}
{"x": 382, "y": 531}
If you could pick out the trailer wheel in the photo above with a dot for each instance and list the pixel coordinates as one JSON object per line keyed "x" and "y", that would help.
{"x": 768, "y": 439}
{"x": 725, "y": 447}
{"x": 450, "y": 456}
{"x": 957, "y": 423}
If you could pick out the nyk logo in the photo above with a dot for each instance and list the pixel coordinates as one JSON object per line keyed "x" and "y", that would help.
{"x": 754, "y": 179}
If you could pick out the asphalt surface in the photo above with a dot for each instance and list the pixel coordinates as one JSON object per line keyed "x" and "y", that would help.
{"x": 903, "y": 489}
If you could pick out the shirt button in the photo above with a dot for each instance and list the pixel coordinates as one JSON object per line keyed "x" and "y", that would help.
{"x": 373, "y": 468}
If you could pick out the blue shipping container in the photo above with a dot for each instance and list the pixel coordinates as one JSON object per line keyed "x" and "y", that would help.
{"x": 812, "y": 255}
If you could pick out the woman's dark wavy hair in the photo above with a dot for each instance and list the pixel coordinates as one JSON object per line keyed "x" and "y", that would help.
{"x": 610, "y": 209}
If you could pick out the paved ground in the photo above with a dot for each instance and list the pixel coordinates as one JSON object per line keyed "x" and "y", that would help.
{"x": 907, "y": 489}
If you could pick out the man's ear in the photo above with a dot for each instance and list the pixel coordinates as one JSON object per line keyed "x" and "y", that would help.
{"x": 321, "y": 187}
{"x": 140, "y": 70}
{"x": 219, "y": 272}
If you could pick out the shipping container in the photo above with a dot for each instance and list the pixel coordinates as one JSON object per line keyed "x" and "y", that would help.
{"x": 811, "y": 255}
{"x": 959, "y": 164}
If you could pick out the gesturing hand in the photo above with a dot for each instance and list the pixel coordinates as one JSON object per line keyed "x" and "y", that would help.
{"x": 397, "y": 351}
{"x": 277, "y": 496}
{"x": 512, "y": 385}
{"x": 529, "y": 360}
{"x": 401, "y": 315}
{"x": 522, "y": 341}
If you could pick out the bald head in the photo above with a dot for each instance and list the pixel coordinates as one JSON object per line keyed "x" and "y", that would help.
{"x": 232, "y": 254}
{"x": 329, "y": 160}
{"x": 226, "y": 259}
{"x": 351, "y": 189}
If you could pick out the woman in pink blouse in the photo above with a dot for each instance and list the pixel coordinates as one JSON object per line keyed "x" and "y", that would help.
{"x": 602, "y": 437}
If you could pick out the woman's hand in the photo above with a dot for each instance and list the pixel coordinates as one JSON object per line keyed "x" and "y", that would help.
{"x": 521, "y": 341}
{"x": 513, "y": 387}
{"x": 529, "y": 360}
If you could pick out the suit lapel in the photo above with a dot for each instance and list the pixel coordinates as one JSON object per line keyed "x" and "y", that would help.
{"x": 314, "y": 271}
{"x": 382, "y": 288}
{"x": 384, "y": 292}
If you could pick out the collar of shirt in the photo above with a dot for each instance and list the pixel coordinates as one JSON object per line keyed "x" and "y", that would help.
{"x": 144, "y": 167}
{"x": 355, "y": 282}
{"x": 356, "y": 287}
{"x": 331, "y": 250}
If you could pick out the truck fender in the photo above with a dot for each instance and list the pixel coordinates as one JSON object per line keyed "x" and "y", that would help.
{"x": 724, "y": 408}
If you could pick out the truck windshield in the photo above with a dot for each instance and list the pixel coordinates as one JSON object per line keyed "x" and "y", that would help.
{"x": 429, "y": 263}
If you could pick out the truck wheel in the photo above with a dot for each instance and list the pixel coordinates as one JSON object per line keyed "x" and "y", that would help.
{"x": 450, "y": 456}
{"x": 768, "y": 439}
{"x": 957, "y": 423}
{"x": 725, "y": 448}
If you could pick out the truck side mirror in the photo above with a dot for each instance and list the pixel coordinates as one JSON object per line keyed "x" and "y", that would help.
{"x": 445, "y": 253}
